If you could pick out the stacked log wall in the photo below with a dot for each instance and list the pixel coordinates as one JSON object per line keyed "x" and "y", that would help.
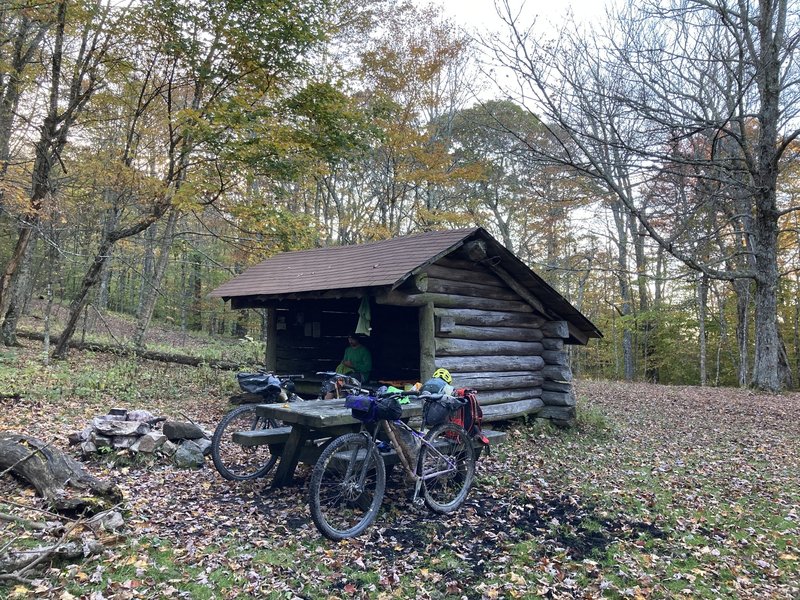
{"x": 557, "y": 393}
{"x": 490, "y": 339}
{"x": 487, "y": 337}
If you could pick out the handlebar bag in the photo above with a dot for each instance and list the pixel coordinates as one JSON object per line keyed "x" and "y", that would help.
{"x": 369, "y": 409}
{"x": 259, "y": 383}
{"x": 439, "y": 408}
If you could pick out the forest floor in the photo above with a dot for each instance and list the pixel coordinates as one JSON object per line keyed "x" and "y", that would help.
{"x": 658, "y": 492}
{"x": 118, "y": 329}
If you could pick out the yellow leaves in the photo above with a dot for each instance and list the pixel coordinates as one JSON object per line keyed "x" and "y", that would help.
{"x": 81, "y": 576}
{"x": 188, "y": 197}
{"x": 137, "y": 562}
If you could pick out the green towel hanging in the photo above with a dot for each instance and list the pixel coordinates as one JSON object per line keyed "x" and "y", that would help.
{"x": 364, "y": 317}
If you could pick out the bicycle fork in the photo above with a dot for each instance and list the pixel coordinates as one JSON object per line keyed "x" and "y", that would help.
{"x": 421, "y": 477}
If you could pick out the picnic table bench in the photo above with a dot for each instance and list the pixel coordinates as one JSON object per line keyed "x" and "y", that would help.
{"x": 309, "y": 425}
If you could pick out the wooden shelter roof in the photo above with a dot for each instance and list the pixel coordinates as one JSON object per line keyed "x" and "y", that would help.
{"x": 384, "y": 264}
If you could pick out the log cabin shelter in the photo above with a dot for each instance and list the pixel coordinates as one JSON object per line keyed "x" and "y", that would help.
{"x": 456, "y": 299}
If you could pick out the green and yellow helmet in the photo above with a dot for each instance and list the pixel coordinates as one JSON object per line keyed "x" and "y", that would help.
{"x": 444, "y": 375}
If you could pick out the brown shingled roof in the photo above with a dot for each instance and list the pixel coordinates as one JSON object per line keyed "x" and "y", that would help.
{"x": 383, "y": 263}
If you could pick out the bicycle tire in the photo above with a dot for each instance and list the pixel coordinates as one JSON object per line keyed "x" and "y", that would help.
{"x": 347, "y": 486}
{"x": 445, "y": 492}
{"x": 233, "y": 461}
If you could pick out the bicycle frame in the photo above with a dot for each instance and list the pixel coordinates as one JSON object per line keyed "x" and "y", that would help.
{"x": 419, "y": 478}
{"x": 348, "y": 480}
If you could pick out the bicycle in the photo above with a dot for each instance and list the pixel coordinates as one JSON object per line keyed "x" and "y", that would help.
{"x": 348, "y": 481}
{"x": 337, "y": 385}
{"x": 233, "y": 461}
{"x": 236, "y": 462}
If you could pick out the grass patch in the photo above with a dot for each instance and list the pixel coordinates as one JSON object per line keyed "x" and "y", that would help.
{"x": 691, "y": 493}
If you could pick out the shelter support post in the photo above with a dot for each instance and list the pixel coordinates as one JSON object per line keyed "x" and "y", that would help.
{"x": 427, "y": 341}
{"x": 271, "y": 339}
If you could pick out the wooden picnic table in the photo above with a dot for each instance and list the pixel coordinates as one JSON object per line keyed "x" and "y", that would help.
{"x": 313, "y": 420}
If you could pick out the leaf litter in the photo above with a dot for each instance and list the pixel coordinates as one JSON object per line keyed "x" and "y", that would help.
{"x": 657, "y": 492}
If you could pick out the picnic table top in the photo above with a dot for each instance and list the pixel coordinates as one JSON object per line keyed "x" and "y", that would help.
{"x": 322, "y": 414}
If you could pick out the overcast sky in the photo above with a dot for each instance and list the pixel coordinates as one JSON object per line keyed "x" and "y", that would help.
{"x": 481, "y": 14}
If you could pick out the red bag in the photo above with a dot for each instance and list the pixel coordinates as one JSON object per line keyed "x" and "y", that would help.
{"x": 470, "y": 416}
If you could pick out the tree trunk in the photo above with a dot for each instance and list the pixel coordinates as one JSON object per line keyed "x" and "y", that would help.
{"x": 58, "y": 478}
{"x": 110, "y": 223}
{"x": 52, "y": 139}
{"x": 79, "y": 303}
{"x": 196, "y": 291}
{"x": 742, "y": 288}
{"x": 20, "y": 290}
{"x": 626, "y": 311}
{"x": 8, "y": 278}
{"x": 146, "y": 285}
{"x": 702, "y": 303}
{"x": 784, "y": 367}
{"x": 796, "y": 332}
{"x": 765, "y": 368}
{"x": 147, "y": 306}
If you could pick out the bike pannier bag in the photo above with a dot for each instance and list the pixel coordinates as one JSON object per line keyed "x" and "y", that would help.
{"x": 438, "y": 409}
{"x": 470, "y": 417}
{"x": 369, "y": 409}
{"x": 259, "y": 383}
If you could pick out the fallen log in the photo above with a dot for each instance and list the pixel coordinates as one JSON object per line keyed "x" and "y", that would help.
{"x": 59, "y": 478}
{"x": 180, "y": 359}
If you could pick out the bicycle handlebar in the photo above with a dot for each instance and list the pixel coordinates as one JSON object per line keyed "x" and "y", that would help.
{"x": 398, "y": 394}
{"x": 291, "y": 377}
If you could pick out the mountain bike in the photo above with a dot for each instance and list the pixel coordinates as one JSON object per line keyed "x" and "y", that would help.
{"x": 337, "y": 385}
{"x": 236, "y": 462}
{"x": 348, "y": 481}
{"x": 233, "y": 461}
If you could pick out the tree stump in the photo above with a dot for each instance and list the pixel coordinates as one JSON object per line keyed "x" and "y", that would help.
{"x": 59, "y": 479}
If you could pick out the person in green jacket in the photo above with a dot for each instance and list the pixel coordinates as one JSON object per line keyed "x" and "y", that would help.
{"x": 357, "y": 361}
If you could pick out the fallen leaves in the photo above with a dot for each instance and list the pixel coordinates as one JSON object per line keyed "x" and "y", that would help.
{"x": 684, "y": 492}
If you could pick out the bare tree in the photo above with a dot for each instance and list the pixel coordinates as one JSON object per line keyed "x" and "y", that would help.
{"x": 717, "y": 75}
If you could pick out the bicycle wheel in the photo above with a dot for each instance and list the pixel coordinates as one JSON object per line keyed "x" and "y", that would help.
{"x": 447, "y": 472}
{"x": 347, "y": 486}
{"x": 234, "y": 461}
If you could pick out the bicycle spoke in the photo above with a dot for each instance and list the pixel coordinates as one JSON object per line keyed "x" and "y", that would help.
{"x": 447, "y": 468}
{"x": 234, "y": 461}
{"x": 347, "y": 486}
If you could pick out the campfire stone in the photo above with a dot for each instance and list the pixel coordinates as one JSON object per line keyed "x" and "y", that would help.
{"x": 79, "y": 436}
{"x": 169, "y": 448}
{"x": 140, "y": 415}
{"x": 149, "y": 442}
{"x": 121, "y": 442}
{"x": 100, "y": 441}
{"x": 88, "y": 447}
{"x": 204, "y": 445}
{"x": 189, "y": 456}
{"x": 108, "y": 521}
{"x": 122, "y": 428}
{"x": 177, "y": 430}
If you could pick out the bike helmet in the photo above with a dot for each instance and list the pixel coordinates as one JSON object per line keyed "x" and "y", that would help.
{"x": 444, "y": 375}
